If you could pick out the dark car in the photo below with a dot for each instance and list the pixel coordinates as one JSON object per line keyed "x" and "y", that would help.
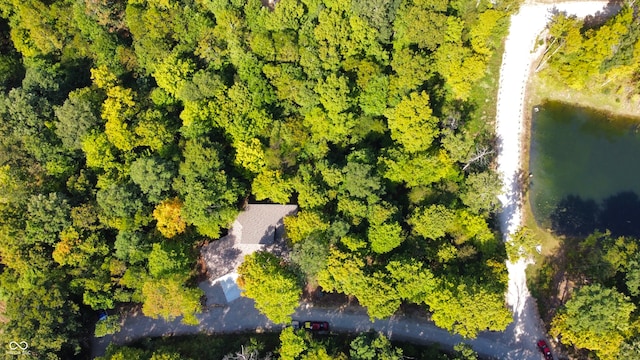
{"x": 544, "y": 348}
{"x": 317, "y": 326}
{"x": 102, "y": 315}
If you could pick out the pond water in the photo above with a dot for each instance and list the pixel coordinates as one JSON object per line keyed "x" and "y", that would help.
{"x": 585, "y": 170}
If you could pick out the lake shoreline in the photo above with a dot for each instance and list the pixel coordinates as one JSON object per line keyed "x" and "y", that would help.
{"x": 539, "y": 94}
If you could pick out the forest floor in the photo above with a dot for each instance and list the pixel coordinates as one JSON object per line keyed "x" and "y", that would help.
{"x": 511, "y": 117}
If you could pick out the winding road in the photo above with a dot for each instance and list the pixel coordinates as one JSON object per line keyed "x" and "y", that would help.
{"x": 518, "y": 341}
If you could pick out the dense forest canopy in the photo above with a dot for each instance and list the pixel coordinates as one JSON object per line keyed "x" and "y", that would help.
{"x": 132, "y": 131}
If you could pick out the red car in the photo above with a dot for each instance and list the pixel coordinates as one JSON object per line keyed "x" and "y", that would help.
{"x": 319, "y": 326}
{"x": 544, "y": 348}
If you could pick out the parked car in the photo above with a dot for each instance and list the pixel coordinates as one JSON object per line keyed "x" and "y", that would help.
{"x": 545, "y": 350}
{"x": 295, "y": 324}
{"x": 316, "y": 326}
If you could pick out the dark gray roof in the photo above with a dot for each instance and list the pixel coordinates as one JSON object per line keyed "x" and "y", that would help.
{"x": 262, "y": 223}
{"x": 259, "y": 226}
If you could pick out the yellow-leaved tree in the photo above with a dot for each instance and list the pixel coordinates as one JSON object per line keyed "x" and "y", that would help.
{"x": 169, "y": 220}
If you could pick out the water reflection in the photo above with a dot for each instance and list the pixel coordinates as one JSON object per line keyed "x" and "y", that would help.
{"x": 619, "y": 214}
{"x": 585, "y": 167}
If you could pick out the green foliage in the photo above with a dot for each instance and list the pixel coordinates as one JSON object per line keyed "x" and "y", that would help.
{"x": 343, "y": 273}
{"x": 209, "y": 193}
{"x": 481, "y": 192}
{"x": 271, "y": 184}
{"x": 468, "y": 310}
{"x": 77, "y": 117}
{"x": 412, "y": 124}
{"x": 273, "y": 286}
{"x": 292, "y": 344}
{"x": 168, "y": 297}
{"x": 123, "y": 206}
{"x": 385, "y": 237}
{"x": 370, "y": 346}
{"x": 303, "y": 224}
{"x": 583, "y": 57}
{"x": 595, "y": 318}
{"x": 110, "y": 325}
{"x": 522, "y": 245}
{"x": 168, "y": 258}
{"x": 158, "y": 119}
{"x": 48, "y": 216}
{"x": 153, "y": 175}
{"x": 433, "y": 222}
{"x": 45, "y": 315}
{"x": 465, "y": 352}
{"x": 311, "y": 256}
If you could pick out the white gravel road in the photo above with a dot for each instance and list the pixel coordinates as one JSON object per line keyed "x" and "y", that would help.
{"x": 514, "y": 73}
{"x": 518, "y": 341}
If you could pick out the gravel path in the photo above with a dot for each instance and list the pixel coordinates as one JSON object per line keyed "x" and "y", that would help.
{"x": 514, "y": 73}
{"x": 518, "y": 341}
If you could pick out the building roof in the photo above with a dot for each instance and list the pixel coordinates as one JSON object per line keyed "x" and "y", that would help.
{"x": 262, "y": 223}
{"x": 258, "y": 227}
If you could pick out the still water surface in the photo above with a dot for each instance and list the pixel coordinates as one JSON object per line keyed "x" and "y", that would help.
{"x": 586, "y": 170}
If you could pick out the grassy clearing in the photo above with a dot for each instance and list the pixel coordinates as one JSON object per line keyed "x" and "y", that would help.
{"x": 544, "y": 88}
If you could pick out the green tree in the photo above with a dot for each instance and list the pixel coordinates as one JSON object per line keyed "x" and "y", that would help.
{"x": 169, "y": 297}
{"x": 110, "y": 325}
{"x": 169, "y": 258}
{"x": 122, "y": 206}
{"x": 77, "y": 117}
{"x": 48, "y": 215}
{"x": 311, "y": 255}
{"x": 468, "y": 310}
{"x": 343, "y": 273}
{"x": 385, "y": 237}
{"x": 271, "y": 184}
{"x": 292, "y": 344}
{"x": 273, "y": 286}
{"x": 303, "y": 224}
{"x": 465, "y": 352}
{"x": 153, "y": 175}
{"x": 412, "y": 124}
{"x": 433, "y": 222}
{"x": 369, "y": 346}
{"x": 209, "y": 194}
{"x": 481, "y": 191}
{"x": 595, "y": 318}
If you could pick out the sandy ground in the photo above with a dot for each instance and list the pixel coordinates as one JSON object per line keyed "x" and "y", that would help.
{"x": 514, "y": 73}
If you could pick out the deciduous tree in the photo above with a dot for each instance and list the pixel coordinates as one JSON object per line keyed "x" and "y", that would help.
{"x": 271, "y": 284}
{"x": 595, "y": 318}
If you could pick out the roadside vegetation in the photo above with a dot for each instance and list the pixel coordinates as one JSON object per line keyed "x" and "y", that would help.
{"x": 133, "y": 131}
{"x": 288, "y": 345}
{"x": 587, "y": 286}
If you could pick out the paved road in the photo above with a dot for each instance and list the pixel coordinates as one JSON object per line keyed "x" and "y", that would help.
{"x": 241, "y": 315}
